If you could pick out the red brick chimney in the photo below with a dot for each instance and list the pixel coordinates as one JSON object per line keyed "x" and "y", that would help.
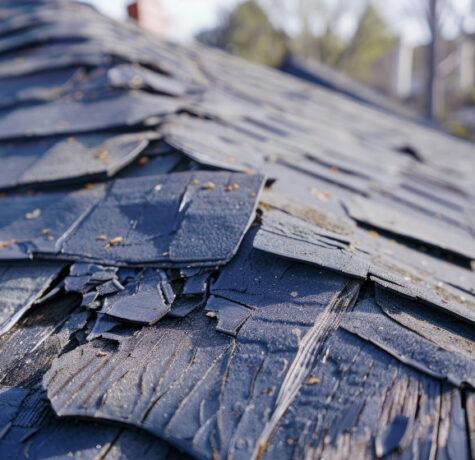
{"x": 150, "y": 15}
{"x": 133, "y": 11}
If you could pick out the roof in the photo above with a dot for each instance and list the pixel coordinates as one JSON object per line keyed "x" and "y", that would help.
{"x": 319, "y": 73}
{"x": 203, "y": 257}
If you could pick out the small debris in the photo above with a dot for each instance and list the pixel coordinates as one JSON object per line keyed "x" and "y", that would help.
{"x": 208, "y": 185}
{"x": 322, "y": 196}
{"x": 373, "y": 234}
{"x": 102, "y": 155}
{"x": 33, "y": 214}
{"x": 102, "y": 238}
{"x": 101, "y": 354}
{"x": 312, "y": 380}
{"x": 269, "y": 391}
{"x": 116, "y": 241}
{"x": 71, "y": 140}
{"x": 88, "y": 185}
{"x": 6, "y": 244}
{"x": 46, "y": 232}
{"x": 232, "y": 187}
{"x": 294, "y": 294}
{"x": 136, "y": 82}
{"x": 143, "y": 160}
{"x": 158, "y": 187}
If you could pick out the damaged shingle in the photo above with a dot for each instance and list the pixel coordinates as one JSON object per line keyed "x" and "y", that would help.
{"x": 448, "y": 332}
{"x": 28, "y": 426}
{"x": 184, "y": 373}
{"x": 38, "y": 87}
{"x": 290, "y": 237}
{"x": 58, "y": 213}
{"x": 145, "y": 301}
{"x": 198, "y": 225}
{"x": 230, "y": 315}
{"x": 360, "y": 253}
{"x": 20, "y": 286}
{"x": 137, "y": 77}
{"x": 414, "y": 226}
{"x": 69, "y": 116}
{"x": 67, "y": 160}
{"x": 368, "y": 322}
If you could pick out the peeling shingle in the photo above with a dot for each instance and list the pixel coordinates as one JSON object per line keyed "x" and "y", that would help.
{"x": 20, "y": 287}
{"x": 68, "y": 160}
{"x": 368, "y": 322}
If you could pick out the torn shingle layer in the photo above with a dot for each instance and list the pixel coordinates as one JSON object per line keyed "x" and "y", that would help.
{"x": 20, "y": 287}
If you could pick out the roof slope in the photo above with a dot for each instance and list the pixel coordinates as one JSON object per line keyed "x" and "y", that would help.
{"x": 202, "y": 257}
{"x": 319, "y": 73}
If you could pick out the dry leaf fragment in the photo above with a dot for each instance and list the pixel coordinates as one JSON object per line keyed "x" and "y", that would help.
{"x": 116, "y": 240}
{"x": 232, "y": 187}
{"x": 6, "y": 244}
{"x": 46, "y": 232}
{"x": 33, "y": 214}
{"x": 102, "y": 155}
{"x": 209, "y": 185}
